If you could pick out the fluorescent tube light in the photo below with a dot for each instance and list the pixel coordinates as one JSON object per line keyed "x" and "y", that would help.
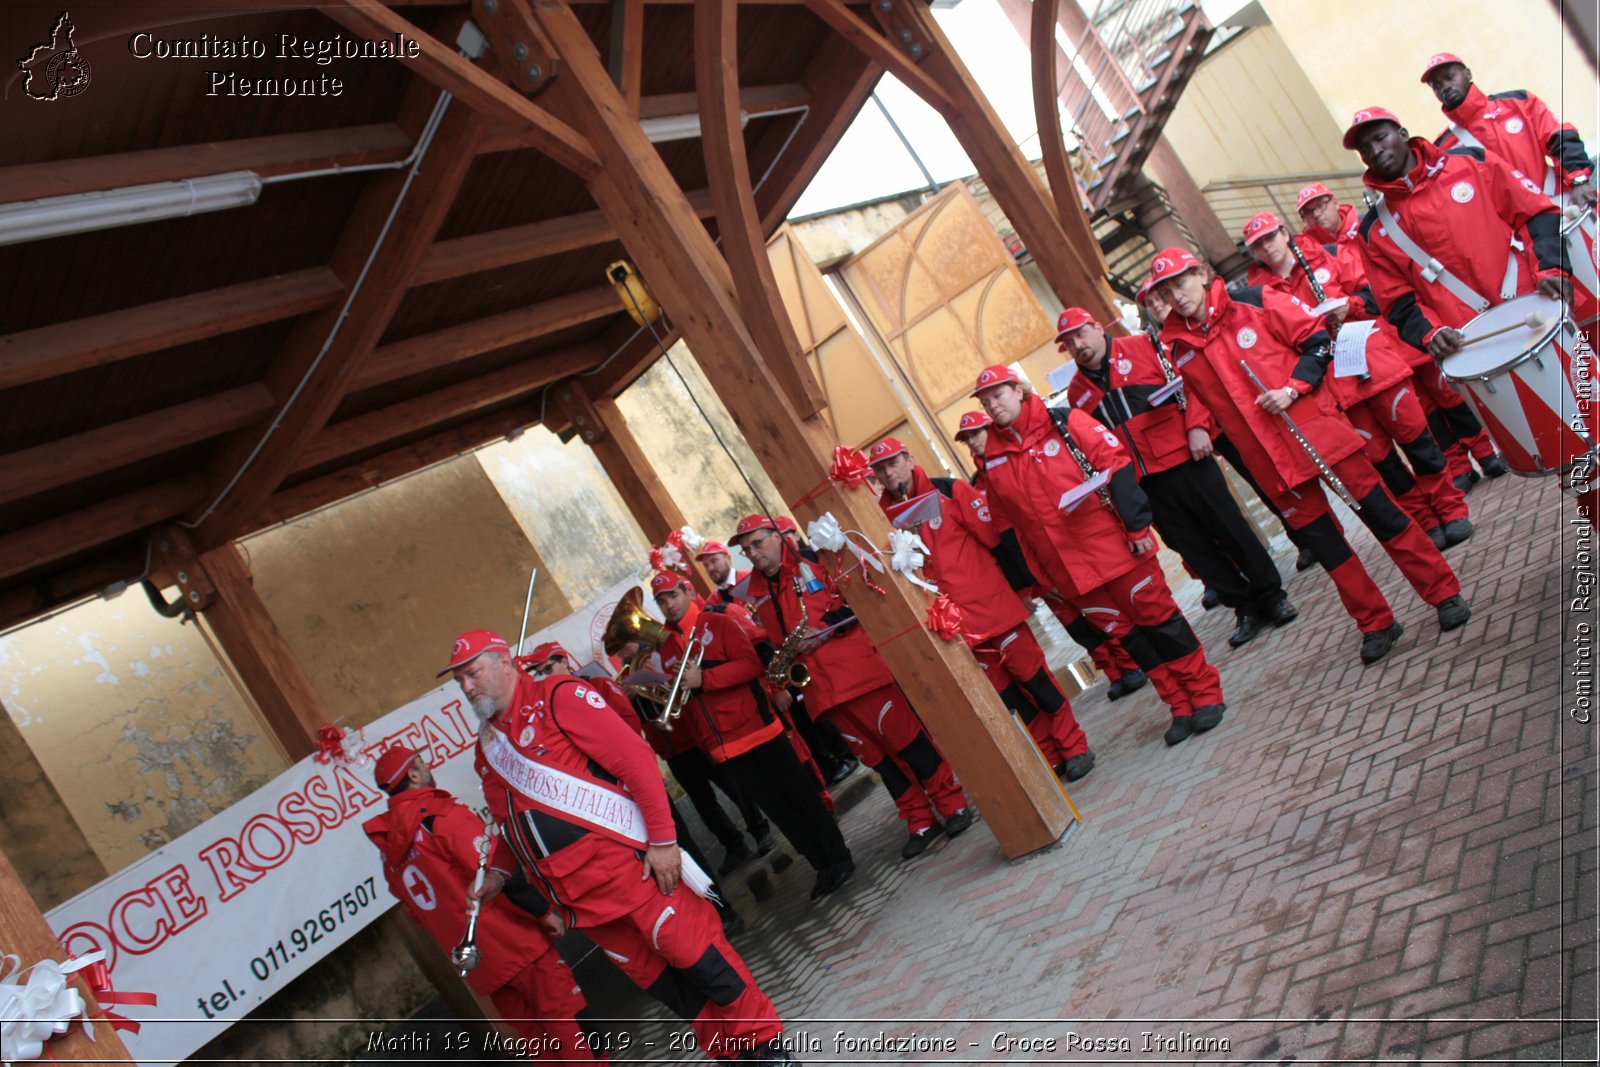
{"x": 678, "y": 127}
{"x": 35, "y": 220}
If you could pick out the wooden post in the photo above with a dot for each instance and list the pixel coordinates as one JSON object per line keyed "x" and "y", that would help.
{"x": 1022, "y": 803}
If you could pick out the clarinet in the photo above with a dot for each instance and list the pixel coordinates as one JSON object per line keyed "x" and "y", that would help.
{"x": 1082, "y": 459}
{"x": 1168, "y": 371}
{"x": 1316, "y": 286}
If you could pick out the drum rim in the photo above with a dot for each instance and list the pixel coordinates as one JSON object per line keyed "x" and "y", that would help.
{"x": 1520, "y": 358}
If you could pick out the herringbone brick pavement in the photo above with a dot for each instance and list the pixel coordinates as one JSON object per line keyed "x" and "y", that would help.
{"x": 1393, "y": 863}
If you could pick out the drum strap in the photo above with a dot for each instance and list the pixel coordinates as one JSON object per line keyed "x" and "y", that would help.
{"x": 1432, "y": 269}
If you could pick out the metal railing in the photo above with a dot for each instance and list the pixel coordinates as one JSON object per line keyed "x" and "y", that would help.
{"x": 1236, "y": 200}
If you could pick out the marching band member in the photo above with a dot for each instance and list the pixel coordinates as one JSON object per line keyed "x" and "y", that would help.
{"x": 718, "y": 563}
{"x": 1466, "y": 213}
{"x": 953, "y": 520}
{"x": 850, "y": 685}
{"x": 1328, "y": 222}
{"x": 429, "y": 842}
{"x": 728, "y": 717}
{"x": 1382, "y": 404}
{"x": 1099, "y": 554}
{"x": 1119, "y": 380}
{"x": 582, "y": 808}
{"x": 1287, "y": 351}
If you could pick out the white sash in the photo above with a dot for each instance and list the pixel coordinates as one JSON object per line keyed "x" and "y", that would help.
{"x": 591, "y": 804}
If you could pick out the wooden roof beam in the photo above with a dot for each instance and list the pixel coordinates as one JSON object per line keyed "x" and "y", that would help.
{"x": 418, "y": 354}
{"x": 57, "y": 463}
{"x": 286, "y": 153}
{"x": 754, "y": 100}
{"x": 95, "y": 340}
{"x": 876, "y": 47}
{"x": 93, "y": 526}
{"x": 365, "y": 432}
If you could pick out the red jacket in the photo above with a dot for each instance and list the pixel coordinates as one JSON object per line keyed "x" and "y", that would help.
{"x": 1519, "y": 128}
{"x": 552, "y": 721}
{"x": 728, "y": 715}
{"x": 1462, "y": 210}
{"x": 1118, "y": 394}
{"x": 846, "y": 664}
{"x": 1389, "y": 359}
{"x": 1349, "y": 222}
{"x": 1029, "y": 468}
{"x": 430, "y": 854}
{"x": 1283, "y": 345}
{"x": 960, "y": 540}
{"x": 724, "y": 594}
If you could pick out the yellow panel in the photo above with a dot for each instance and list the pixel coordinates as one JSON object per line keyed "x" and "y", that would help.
{"x": 826, "y": 316}
{"x": 958, "y": 245}
{"x": 780, "y": 253}
{"x": 1011, "y": 320}
{"x": 943, "y": 361}
{"x": 921, "y": 293}
{"x": 877, "y": 277}
{"x": 861, "y": 402}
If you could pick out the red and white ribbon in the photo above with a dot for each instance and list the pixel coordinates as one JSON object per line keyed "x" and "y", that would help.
{"x": 338, "y": 745}
{"x": 43, "y": 1006}
{"x": 907, "y": 554}
{"x": 690, "y": 540}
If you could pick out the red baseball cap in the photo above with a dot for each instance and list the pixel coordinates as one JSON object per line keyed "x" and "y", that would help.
{"x": 472, "y": 644}
{"x": 888, "y": 448}
{"x": 1169, "y": 263}
{"x": 547, "y": 651}
{"x": 393, "y": 764}
{"x": 750, "y": 524}
{"x": 665, "y": 580}
{"x": 1314, "y": 191}
{"x": 1366, "y": 117}
{"x": 973, "y": 420}
{"x": 711, "y": 548}
{"x": 999, "y": 374}
{"x": 786, "y": 524}
{"x": 1072, "y": 319}
{"x": 1439, "y": 59}
{"x": 1261, "y": 225}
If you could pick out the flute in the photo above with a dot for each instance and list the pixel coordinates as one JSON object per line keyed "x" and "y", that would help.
{"x": 1311, "y": 450}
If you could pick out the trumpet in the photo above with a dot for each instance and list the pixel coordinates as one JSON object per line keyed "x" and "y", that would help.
{"x": 783, "y": 671}
{"x": 678, "y": 696}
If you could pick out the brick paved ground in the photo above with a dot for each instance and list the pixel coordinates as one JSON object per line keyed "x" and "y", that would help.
{"x": 1384, "y": 864}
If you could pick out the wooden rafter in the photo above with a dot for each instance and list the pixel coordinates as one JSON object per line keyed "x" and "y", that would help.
{"x": 628, "y": 39}
{"x": 51, "y": 351}
{"x": 716, "y": 54}
{"x": 418, "y": 354}
{"x": 439, "y": 64}
{"x": 34, "y": 470}
{"x": 876, "y": 47}
{"x": 1052, "y": 144}
{"x": 365, "y": 432}
{"x": 93, "y": 526}
{"x": 755, "y": 101}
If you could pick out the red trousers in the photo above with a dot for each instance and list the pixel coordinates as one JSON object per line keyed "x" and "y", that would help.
{"x": 673, "y": 948}
{"x": 1015, "y": 665}
{"x": 1394, "y": 417}
{"x": 1137, "y": 608}
{"x": 1454, "y": 425}
{"x": 541, "y": 1003}
{"x": 887, "y": 736}
{"x": 1107, "y": 653}
{"x": 1306, "y": 510}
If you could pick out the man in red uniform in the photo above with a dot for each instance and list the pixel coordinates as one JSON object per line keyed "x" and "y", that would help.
{"x": 1287, "y": 350}
{"x": 952, "y": 519}
{"x": 1514, "y": 125}
{"x": 582, "y": 809}
{"x": 850, "y": 685}
{"x": 430, "y": 842}
{"x": 728, "y": 717}
{"x": 1125, "y": 383}
{"x": 1450, "y": 237}
{"x": 1327, "y": 221}
{"x": 718, "y": 562}
{"x": 1093, "y": 547}
{"x": 1382, "y": 403}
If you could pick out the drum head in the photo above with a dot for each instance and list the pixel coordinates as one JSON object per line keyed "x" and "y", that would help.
{"x": 1496, "y": 353}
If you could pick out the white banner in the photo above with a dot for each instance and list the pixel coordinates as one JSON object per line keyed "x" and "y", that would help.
{"x": 225, "y": 916}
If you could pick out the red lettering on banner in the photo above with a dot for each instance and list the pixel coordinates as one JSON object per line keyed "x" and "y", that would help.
{"x": 305, "y": 830}
{"x": 122, "y": 926}
{"x": 444, "y": 741}
{"x": 354, "y": 794}
{"x": 228, "y": 868}
{"x": 266, "y": 827}
{"x": 328, "y": 812}
{"x": 175, "y": 890}
{"x": 80, "y": 939}
{"x": 457, "y": 715}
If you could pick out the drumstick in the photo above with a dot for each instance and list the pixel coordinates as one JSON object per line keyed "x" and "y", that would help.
{"x": 1534, "y": 321}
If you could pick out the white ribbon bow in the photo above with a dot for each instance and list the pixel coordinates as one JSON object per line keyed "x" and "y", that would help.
{"x": 691, "y": 540}
{"x": 825, "y": 532}
{"x": 34, "y": 1011}
{"x": 907, "y": 554}
{"x": 671, "y": 557}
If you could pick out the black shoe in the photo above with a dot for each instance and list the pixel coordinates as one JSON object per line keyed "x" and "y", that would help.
{"x": 1076, "y": 766}
{"x": 1465, "y": 482}
{"x": 1207, "y": 717}
{"x": 955, "y": 825}
{"x": 1456, "y": 531}
{"x": 919, "y": 841}
{"x": 1376, "y": 645}
{"x": 1280, "y": 612}
{"x": 732, "y": 921}
{"x": 1453, "y": 613}
{"x": 1494, "y": 466}
{"x": 781, "y": 862}
{"x": 844, "y": 770}
{"x": 1116, "y": 690}
{"x": 1305, "y": 560}
{"x": 1182, "y": 726}
{"x": 1134, "y": 681}
{"x": 1210, "y": 598}
{"x": 1436, "y": 534}
{"x": 736, "y": 858}
{"x": 765, "y": 843}
{"x": 1249, "y": 626}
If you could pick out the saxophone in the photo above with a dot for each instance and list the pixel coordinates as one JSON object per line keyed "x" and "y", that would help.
{"x": 783, "y": 671}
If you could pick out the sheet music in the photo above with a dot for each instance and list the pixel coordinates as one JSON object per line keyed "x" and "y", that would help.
{"x": 1074, "y": 496}
{"x": 1326, "y": 306}
{"x": 1166, "y": 392}
{"x": 1350, "y": 349}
